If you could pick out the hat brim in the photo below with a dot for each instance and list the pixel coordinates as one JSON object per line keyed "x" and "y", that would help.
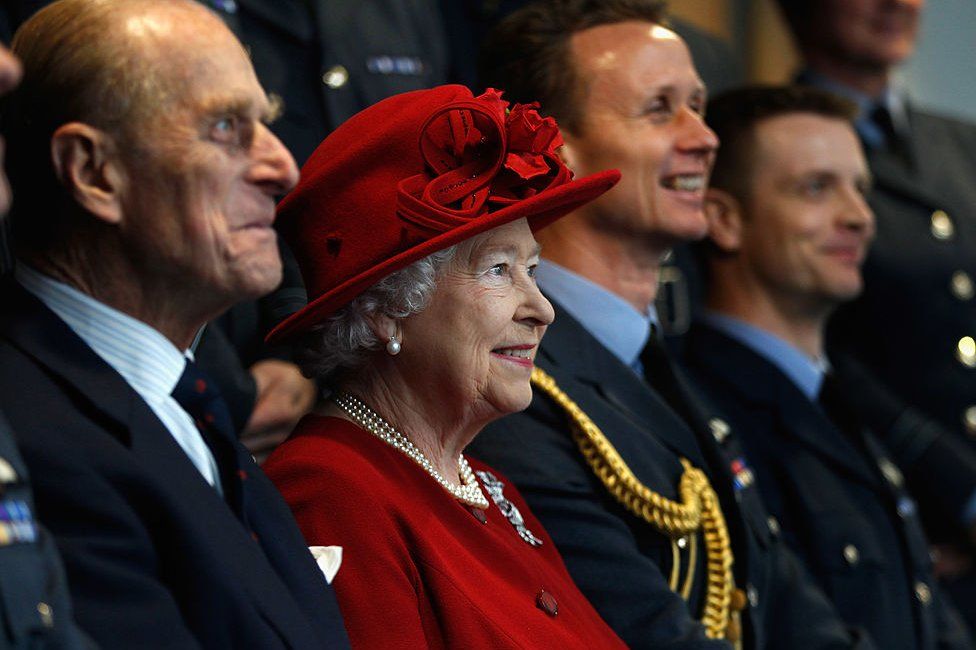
{"x": 540, "y": 210}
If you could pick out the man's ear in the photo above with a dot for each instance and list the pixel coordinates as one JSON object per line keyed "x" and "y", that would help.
{"x": 724, "y": 214}
{"x": 86, "y": 163}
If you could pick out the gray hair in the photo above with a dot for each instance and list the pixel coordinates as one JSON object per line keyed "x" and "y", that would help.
{"x": 344, "y": 341}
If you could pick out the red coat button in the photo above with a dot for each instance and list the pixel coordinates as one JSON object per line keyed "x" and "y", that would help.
{"x": 547, "y": 603}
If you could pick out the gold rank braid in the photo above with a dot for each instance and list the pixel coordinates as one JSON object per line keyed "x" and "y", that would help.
{"x": 698, "y": 510}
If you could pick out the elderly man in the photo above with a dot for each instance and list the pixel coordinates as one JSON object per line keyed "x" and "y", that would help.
{"x": 146, "y": 178}
{"x": 35, "y": 607}
{"x": 789, "y": 227}
{"x": 610, "y": 453}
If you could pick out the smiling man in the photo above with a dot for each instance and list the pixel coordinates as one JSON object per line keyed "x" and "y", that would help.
{"x": 146, "y": 180}
{"x": 913, "y": 325}
{"x": 626, "y": 468}
{"x": 789, "y": 231}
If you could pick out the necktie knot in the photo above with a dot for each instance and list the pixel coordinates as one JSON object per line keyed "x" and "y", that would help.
{"x": 201, "y": 399}
{"x": 877, "y": 129}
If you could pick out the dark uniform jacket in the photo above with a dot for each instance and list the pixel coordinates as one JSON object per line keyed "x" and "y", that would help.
{"x": 155, "y": 557}
{"x": 620, "y": 562}
{"x": 840, "y": 500}
{"x": 909, "y": 325}
{"x": 329, "y": 59}
{"x": 35, "y": 611}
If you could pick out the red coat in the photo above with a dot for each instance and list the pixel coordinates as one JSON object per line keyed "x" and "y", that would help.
{"x": 418, "y": 568}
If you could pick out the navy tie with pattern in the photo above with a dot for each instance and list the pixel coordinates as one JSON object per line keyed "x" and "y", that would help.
{"x": 201, "y": 399}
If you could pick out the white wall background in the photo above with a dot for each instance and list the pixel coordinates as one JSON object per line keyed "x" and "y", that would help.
{"x": 942, "y": 74}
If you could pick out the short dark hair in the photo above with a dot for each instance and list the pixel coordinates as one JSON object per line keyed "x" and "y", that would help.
{"x": 528, "y": 53}
{"x": 733, "y": 116}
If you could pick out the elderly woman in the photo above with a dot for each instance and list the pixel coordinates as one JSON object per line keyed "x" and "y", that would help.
{"x": 413, "y": 227}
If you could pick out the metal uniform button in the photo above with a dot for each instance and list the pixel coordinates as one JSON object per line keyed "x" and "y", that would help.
{"x": 942, "y": 226}
{"x": 753, "y": 595}
{"x": 720, "y": 429}
{"x": 738, "y": 600}
{"x": 276, "y": 105}
{"x": 7, "y": 472}
{"x": 682, "y": 542}
{"x": 966, "y": 351}
{"x": 969, "y": 420}
{"x": 852, "y": 555}
{"x": 773, "y": 524}
{"x": 891, "y": 473}
{"x": 961, "y": 285}
{"x": 335, "y": 77}
{"x": 923, "y": 593}
{"x": 47, "y": 616}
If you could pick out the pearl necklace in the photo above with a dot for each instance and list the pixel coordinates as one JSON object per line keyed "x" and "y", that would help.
{"x": 469, "y": 492}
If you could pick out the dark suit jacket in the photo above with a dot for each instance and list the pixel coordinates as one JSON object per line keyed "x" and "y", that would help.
{"x": 31, "y": 575}
{"x": 619, "y": 561}
{"x": 854, "y": 526}
{"x": 155, "y": 558}
{"x": 908, "y": 322}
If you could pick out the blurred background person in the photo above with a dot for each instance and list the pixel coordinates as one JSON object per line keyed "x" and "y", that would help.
{"x": 146, "y": 181}
{"x": 35, "y": 610}
{"x": 413, "y": 227}
{"x": 914, "y": 324}
{"x": 789, "y": 227}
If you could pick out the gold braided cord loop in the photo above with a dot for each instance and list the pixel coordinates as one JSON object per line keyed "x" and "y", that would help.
{"x": 697, "y": 510}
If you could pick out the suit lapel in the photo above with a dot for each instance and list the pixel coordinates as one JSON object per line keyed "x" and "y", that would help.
{"x": 570, "y": 348}
{"x": 37, "y": 332}
{"x": 922, "y": 181}
{"x": 755, "y": 381}
{"x": 891, "y": 175}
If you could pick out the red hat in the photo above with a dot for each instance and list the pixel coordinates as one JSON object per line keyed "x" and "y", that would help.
{"x": 415, "y": 174}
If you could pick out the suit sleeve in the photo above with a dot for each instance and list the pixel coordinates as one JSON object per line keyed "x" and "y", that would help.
{"x": 601, "y": 551}
{"x": 116, "y": 583}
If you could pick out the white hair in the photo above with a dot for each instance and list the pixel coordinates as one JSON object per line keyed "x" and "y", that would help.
{"x": 344, "y": 341}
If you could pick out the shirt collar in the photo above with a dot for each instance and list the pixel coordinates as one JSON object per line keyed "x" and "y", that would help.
{"x": 805, "y": 372}
{"x": 891, "y": 98}
{"x": 611, "y": 320}
{"x": 146, "y": 359}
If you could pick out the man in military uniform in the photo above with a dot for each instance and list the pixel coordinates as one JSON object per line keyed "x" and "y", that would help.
{"x": 35, "y": 611}
{"x": 789, "y": 226}
{"x": 914, "y": 325}
{"x": 646, "y": 496}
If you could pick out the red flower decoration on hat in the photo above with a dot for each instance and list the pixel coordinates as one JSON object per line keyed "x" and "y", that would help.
{"x": 531, "y": 162}
{"x": 479, "y": 157}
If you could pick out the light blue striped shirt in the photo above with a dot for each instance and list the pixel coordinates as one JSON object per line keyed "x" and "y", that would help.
{"x": 147, "y": 360}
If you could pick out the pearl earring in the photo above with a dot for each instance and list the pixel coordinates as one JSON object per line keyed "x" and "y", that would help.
{"x": 393, "y": 346}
